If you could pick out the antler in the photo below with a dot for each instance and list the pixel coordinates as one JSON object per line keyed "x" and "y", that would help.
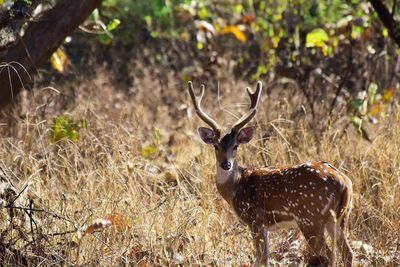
{"x": 197, "y": 105}
{"x": 254, "y": 98}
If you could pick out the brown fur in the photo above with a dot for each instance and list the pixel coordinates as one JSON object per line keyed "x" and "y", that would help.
{"x": 313, "y": 195}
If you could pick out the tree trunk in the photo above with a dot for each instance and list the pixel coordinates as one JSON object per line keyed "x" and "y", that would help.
{"x": 42, "y": 38}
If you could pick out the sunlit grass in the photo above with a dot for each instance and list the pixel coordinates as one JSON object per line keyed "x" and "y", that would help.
{"x": 171, "y": 211}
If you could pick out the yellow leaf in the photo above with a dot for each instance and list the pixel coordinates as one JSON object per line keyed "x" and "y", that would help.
{"x": 385, "y": 32}
{"x": 317, "y": 38}
{"x": 325, "y": 50}
{"x": 59, "y": 60}
{"x": 233, "y": 29}
{"x": 276, "y": 40}
{"x": 376, "y": 109}
{"x": 388, "y": 93}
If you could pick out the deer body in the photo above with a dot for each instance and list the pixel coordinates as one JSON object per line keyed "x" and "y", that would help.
{"x": 265, "y": 196}
{"x": 312, "y": 197}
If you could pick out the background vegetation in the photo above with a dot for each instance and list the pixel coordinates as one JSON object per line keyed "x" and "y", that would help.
{"x": 101, "y": 164}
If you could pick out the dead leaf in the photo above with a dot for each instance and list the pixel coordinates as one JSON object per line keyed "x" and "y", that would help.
{"x": 248, "y": 18}
{"x": 97, "y": 225}
{"x": 118, "y": 221}
{"x": 205, "y": 26}
{"x": 376, "y": 109}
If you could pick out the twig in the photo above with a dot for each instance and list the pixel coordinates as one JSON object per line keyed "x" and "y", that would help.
{"x": 25, "y": 187}
{"x": 50, "y": 235}
{"x": 41, "y": 210}
{"x": 30, "y": 214}
{"x": 158, "y": 205}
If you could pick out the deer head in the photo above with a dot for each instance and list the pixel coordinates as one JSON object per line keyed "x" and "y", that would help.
{"x": 226, "y": 147}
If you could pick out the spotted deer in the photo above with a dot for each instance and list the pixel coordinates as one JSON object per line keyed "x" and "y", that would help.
{"x": 312, "y": 196}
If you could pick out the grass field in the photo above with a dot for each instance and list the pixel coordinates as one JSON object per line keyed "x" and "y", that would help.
{"x": 139, "y": 166}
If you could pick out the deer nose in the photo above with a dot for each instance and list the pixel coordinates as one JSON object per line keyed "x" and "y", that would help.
{"x": 226, "y": 165}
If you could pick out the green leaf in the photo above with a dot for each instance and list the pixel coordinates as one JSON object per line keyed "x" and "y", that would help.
{"x": 154, "y": 34}
{"x": 113, "y": 24}
{"x": 105, "y": 38}
{"x": 203, "y": 13}
{"x": 95, "y": 15}
{"x": 372, "y": 90}
{"x": 316, "y": 38}
{"x": 357, "y": 121}
{"x": 261, "y": 70}
{"x": 354, "y": 104}
{"x": 109, "y": 3}
{"x": 157, "y": 134}
{"x": 238, "y": 8}
{"x": 64, "y": 127}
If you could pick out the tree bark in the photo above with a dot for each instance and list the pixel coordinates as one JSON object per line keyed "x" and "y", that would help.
{"x": 387, "y": 19}
{"x": 42, "y": 38}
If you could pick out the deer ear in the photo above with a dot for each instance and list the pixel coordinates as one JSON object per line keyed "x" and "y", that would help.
{"x": 207, "y": 135}
{"x": 246, "y": 134}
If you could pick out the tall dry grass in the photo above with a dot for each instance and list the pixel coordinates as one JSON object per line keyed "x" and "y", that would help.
{"x": 140, "y": 165}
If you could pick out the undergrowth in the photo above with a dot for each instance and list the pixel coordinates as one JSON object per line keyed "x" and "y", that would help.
{"x": 136, "y": 187}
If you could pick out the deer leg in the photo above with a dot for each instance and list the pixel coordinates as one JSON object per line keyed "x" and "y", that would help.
{"x": 266, "y": 239}
{"x": 331, "y": 229}
{"x": 336, "y": 230}
{"x": 347, "y": 251}
{"x": 261, "y": 245}
{"x": 316, "y": 242}
{"x": 345, "y": 247}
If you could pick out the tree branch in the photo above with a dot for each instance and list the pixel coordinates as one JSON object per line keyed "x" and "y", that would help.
{"x": 387, "y": 19}
{"x": 41, "y": 39}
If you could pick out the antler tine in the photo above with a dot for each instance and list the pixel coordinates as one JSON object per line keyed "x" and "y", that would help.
{"x": 197, "y": 105}
{"x": 254, "y": 99}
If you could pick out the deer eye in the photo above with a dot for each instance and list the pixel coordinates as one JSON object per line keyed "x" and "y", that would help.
{"x": 235, "y": 147}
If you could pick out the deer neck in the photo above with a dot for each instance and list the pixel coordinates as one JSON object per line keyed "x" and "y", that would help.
{"x": 226, "y": 181}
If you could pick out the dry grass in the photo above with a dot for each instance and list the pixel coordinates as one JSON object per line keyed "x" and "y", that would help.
{"x": 159, "y": 191}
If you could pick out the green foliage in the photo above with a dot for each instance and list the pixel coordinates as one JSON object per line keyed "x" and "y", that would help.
{"x": 107, "y": 37}
{"x": 64, "y": 127}
{"x": 299, "y": 34}
{"x": 372, "y": 92}
{"x": 368, "y": 105}
{"x": 149, "y": 152}
{"x": 354, "y": 104}
{"x": 157, "y": 15}
{"x": 157, "y": 135}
